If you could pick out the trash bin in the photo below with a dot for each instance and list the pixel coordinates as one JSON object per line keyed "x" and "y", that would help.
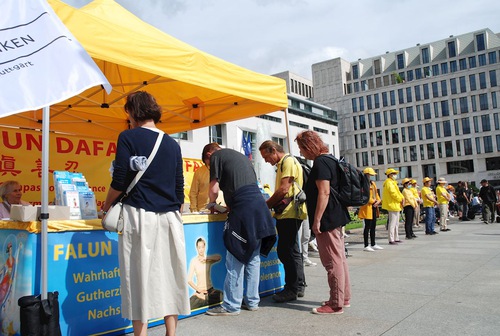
{"x": 40, "y": 317}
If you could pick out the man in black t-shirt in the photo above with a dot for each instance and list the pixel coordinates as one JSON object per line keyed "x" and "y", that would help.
{"x": 463, "y": 200}
{"x": 488, "y": 196}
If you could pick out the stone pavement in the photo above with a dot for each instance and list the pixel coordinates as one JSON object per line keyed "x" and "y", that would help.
{"x": 446, "y": 284}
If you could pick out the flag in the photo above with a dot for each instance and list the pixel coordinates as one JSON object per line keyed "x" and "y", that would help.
{"x": 41, "y": 62}
{"x": 247, "y": 145}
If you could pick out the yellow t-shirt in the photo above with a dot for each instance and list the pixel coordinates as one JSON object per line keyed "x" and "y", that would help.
{"x": 440, "y": 197}
{"x": 427, "y": 202}
{"x": 291, "y": 167}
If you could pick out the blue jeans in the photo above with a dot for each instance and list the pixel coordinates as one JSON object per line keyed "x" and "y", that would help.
{"x": 430, "y": 219}
{"x": 236, "y": 275}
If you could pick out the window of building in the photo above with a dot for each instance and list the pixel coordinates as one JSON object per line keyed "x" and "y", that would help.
{"x": 428, "y": 131}
{"x": 354, "y": 103}
{"x": 482, "y": 80}
{"x": 426, "y": 91}
{"x": 280, "y": 141}
{"x": 480, "y": 42}
{"x": 384, "y": 99}
{"x": 427, "y": 111}
{"x": 448, "y": 148}
{"x": 444, "y": 88}
{"x": 498, "y": 147}
{"x": 447, "y": 128}
{"x": 473, "y": 103}
{"x": 438, "y": 130}
{"x": 388, "y": 151}
{"x": 409, "y": 75}
{"x": 297, "y": 124}
{"x": 425, "y": 55}
{"x": 392, "y": 95}
{"x": 400, "y": 61}
{"x": 435, "y": 70}
{"x": 378, "y": 122}
{"x": 409, "y": 98}
{"x": 493, "y": 78}
{"x": 320, "y": 130}
{"x": 364, "y": 86}
{"x": 459, "y": 151}
{"x": 483, "y": 101}
{"x": 427, "y": 71}
{"x": 420, "y": 135}
{"x": 452, "y": 50}
{"x": 394, "y": 117}
{"x": 362, "y": 122}
{"x": 378, "y": 82}
{"x": 180, "y": 136}
{"x": 453, "y": 85}
{"x": 372, "y": 154}
{"x": 369, "y": 102}
{"x": 494, "y": 162}
{"x": 403, "y": 135}
{"x": 418, "y": 73}
{"x": 417, "y": 92}
{"x": 464, "y": 106}
{"x": 460, "y": 167}
{"x": 445, "y": 110}
{"x": 488, "y": 144}
{"x": 478, "y": 145}
{"x": 463, "y": 86}
{"x": 386, "y": 119}
{"x": 462, "y": 64}
{"x": 436, "y": 109}
{"x": 370, "y": 123}
{"x": 472, "y": 82}
{"x": 430, "y": 151}
{"x": 453, "y": 66}
{"x": 377, "y": 100}
{"x": 401, "y": 96}
{"x": 413, "y": 153}
{"x": 355, "y": 72}
{"x": 457, "y": 127}
{"x": 492, "y": 57}
{"x": 494, "y": 103}
{"x": 454, "y": 106}
{"x": 356, "y": 87}
{"x": 380, "y": 156}
{"x": 419, "y": 114}
{"x": 215, "y": 134}
{"x": 395, "y": 155}
{"x": 409, "y": 114}
{"x": 378, "y": 137}
{"x": 435, "y": 91}
{"x": 364, "y": 142}
{"x": 387, "y": 138}
{"x": 372, "y": 144}
{"x": 440, "y": 150}
{"x": 402, "y": 115}
{"x": 482, "y": 59}
{"x": 465, "y": 126}
{"x": 444, "y": 68}
{"x": 468, "y": 146}
{"x": 411, "y": 133}
{"x": 395, "y": 135}
{"x": 376, "y": 66}
{"x": 472, "y": 62}
{"x": 405, "y": 155}
{"x": 485, "y": 121}
{"x": 386, "y": 80}
{"x": 496, "y": 120}
{"x": 361, "y": 103}
{"x": 475, "y": 121}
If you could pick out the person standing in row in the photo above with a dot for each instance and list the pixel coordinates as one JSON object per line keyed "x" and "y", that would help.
{"x": 429, "y": 203}
{"x": 369, "y": 212}
{"x": 151, "y": 248}
{"x": 488, "y": 197}
{"x": 392, "y": 202}
{"x": 327, "y": 217}
{"x": 249, "y": 229}
{"x": 409, "y": 206}
{"x": 418, "y": 198}
{"x": 443, "y": 198}
{"x": 463, "y": 201}
{"x": 288, "y": 183}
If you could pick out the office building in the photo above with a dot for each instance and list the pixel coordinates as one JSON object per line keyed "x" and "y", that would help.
{"x": 428, "y": 110}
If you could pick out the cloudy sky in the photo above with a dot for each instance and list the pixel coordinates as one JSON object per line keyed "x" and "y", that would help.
{"x": 271, "y": 36}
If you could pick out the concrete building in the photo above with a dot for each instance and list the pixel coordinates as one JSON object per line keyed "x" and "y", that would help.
{"x": 428, "y": 110}
{"x": 302, "y": 114}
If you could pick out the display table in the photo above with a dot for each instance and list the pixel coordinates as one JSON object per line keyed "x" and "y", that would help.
{"x": 83, "y": 268}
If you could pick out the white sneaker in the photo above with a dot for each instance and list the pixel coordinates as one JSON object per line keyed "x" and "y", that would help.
{"x": 346, "y": 235}
{"x": 308, "y": 262}
{"x": 376, "y": 247}
{"x": 368, "y": 249}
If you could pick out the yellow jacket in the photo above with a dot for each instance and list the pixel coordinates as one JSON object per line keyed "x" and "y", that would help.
{"x": 409, "y": 197}
{"x": 391, "y": 196}
{"x": 198, "y": 194}
{"x": 366, "y": 211}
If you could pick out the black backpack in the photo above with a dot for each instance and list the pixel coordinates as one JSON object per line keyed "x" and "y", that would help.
{"x": 306, "y": 168}
{"x": 353, "y": 187}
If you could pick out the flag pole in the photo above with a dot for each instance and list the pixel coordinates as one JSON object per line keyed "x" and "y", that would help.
{"x": 44, "y": 215}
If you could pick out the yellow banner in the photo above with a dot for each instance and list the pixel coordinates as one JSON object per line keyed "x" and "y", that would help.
{"x": 21, "y": 160}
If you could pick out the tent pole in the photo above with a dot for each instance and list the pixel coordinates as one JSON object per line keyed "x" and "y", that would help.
{"x": 45, "y": 200}
{"x": 287, "y": 132}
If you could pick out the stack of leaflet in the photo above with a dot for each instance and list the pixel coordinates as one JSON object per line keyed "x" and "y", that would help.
{"x": 72, "y": 190}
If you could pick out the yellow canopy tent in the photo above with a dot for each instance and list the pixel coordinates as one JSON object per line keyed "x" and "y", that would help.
{"x": 195, "y": 89}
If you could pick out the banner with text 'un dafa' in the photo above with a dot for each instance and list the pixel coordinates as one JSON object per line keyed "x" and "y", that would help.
{"x": 41, "y": 63}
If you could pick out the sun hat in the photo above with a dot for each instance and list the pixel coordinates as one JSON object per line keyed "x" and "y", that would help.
{"x": 405, "y": 180}
{"x": 413, "y": 181}
{"x": 369, "y": 171}
{"x": 441, "y": 180}
{"x": 391, "y": 171}
{"x": 426, "y": 179}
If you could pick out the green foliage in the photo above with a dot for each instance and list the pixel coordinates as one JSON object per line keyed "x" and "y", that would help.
{"x": 357, "y": 223}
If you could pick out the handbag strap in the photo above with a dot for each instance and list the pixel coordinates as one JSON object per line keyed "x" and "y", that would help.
{"x": 150, "y": 159}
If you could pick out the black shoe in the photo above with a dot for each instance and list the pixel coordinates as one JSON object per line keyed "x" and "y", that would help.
{"x": 413, "y": 236}
{"x": 301, "y": 293}
{"x": 284, "y": 296}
